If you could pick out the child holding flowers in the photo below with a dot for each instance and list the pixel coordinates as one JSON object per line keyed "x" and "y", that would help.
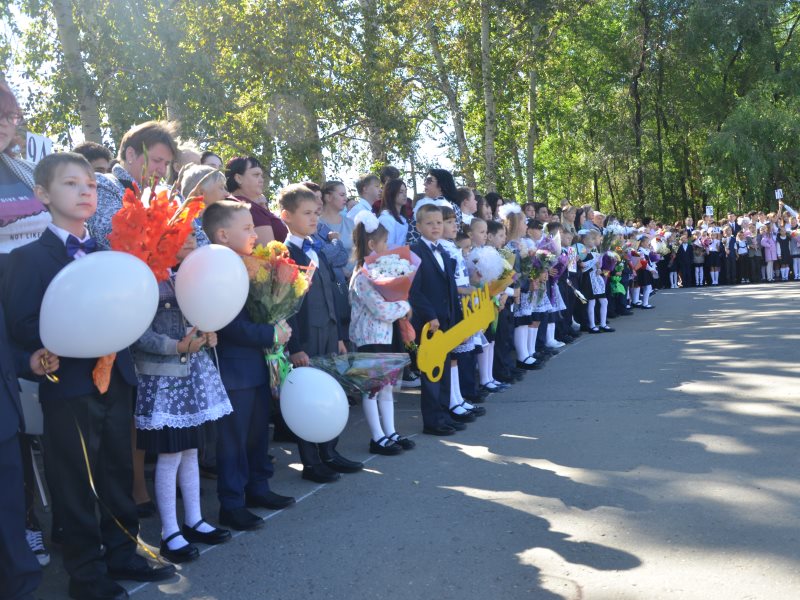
{"x": 179, "y": 390}
{"x": 371, "y": 330}
{"x": 243, "y": 465}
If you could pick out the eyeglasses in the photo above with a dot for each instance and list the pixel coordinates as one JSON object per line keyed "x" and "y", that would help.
{"x": 13, "y": 118}
{"x": 430, "y": 180}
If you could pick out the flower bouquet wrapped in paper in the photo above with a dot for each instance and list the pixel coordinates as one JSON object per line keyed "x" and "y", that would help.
{"x": 636, "y": 261}
{"x": 277, "y": 288}
{"x": 391, "y": 272}
{"x": 660, "y": 247}
{"x": 363, "y": 372}
{"x": 609, "y": 261}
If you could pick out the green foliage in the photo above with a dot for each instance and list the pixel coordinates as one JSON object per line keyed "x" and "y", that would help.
{"x": 313, "y": 87}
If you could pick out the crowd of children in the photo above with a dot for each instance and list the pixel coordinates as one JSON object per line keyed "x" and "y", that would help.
{"x": 563, "y": 275}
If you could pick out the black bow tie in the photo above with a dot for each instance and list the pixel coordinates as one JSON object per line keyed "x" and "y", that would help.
{"x": 436, "y": 248}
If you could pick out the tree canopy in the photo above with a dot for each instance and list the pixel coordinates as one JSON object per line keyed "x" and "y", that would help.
{"x": 656, "y": 107}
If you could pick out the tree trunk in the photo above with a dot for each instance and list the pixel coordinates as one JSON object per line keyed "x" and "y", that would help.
{"x": 596, "y": 188}
{"x": 490, "y": 126}
{"x": 519, "y": 177}
{"x": 465, "y": 164}
{"x": 373, "y": 102}
{"x": 73, "y": 63}
{"x": 659, "y": 99}
{"x": 377, "y": 145}
{"x": 637, "y": 104}
{"x": 533, "y": 131}
{"x": 316, "y": 159}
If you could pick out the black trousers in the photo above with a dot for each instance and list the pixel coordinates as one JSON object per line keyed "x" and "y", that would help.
{"x": 20, "y": 572}
{"x": 435, "y": 398}
{"x": 504, "y": 361}
{"x": 467, "y": 381}
{"x": 105, "y": 421}
{"x": 243, "y": 464}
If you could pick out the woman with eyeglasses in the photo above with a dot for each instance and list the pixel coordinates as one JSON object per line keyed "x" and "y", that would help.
{"x": 22, "y": 217}
{"x": 438, "y": 184}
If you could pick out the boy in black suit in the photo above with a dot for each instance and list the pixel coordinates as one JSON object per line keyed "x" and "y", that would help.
{"x": 20, "y": 572}
{"x": 433, "y": 299}
{"x": 65, "y": 184}
{"x": 243, "y": 464}
{"x": 317, "y": 328}
{"x": 684, "y": 257}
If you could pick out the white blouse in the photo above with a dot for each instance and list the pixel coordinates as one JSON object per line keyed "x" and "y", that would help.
{"x": 397, "y": 231}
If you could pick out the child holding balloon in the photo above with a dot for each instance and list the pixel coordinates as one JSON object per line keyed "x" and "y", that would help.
{"x": 371, "y": 331}
{"x": 86, "y": 421}
{"x": 179, "y": 390}
{"x": 243, "y": 464}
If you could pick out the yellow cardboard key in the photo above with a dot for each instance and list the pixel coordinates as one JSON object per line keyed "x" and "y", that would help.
{"x": 479, "y": 313}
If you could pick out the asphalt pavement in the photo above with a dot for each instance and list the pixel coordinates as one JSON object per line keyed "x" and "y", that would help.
{"x": 656, "y": 462}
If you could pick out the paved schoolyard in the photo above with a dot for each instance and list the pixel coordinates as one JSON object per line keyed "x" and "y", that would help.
{"x": 657, "y": 462}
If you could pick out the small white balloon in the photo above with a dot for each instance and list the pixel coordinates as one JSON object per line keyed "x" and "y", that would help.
{"x": 314, "y": 405}
{"x": 99, "y": 304}
{"x": 211, "y": 287}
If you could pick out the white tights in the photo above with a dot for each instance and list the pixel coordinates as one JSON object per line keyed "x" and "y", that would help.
{"x": 183, "y": 467}
{"x": 379, "y": 411}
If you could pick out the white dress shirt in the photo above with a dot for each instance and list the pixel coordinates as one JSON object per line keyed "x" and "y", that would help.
{"x": 358, "y": 207}
{"x": 398, "y": 231}
{"x": 436, "y": 253}
{"x": 297, "y": 242}
{"x": 63, "y": 235}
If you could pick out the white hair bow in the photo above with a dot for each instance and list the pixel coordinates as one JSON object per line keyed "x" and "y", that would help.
{"x": 368, "y": 220}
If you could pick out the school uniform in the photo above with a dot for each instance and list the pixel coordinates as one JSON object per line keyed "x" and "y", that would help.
{"x": 684, "y": 257}
{"x": 104, "y": 420}
{"x": 316, "y": 330}
{"x": 243, "y": 467}
{"x": 434, "y": 295}
{"x": 20, "y": 572}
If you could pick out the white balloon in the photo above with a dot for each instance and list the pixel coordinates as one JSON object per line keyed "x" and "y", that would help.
{"x": 99, "y": 304}
{"x": 211, "y": 287}
{"x": 314, "y": 405}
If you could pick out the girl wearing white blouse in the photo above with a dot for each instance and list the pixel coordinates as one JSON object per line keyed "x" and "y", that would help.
{"x": 392, "y": 219}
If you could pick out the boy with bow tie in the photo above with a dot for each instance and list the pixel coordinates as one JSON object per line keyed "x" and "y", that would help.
{"x": 317, "y": 330}
{"x": 65, "y": 184}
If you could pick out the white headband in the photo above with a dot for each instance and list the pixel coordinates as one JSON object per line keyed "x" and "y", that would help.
{"x": 368, "y": 219}
{"x": 508, "y": 209}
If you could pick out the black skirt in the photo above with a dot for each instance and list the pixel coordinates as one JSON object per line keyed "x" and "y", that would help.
{"x": 168, "y": 440}
{"x": 713, "y": 259}
{"x": 644, "y": 278}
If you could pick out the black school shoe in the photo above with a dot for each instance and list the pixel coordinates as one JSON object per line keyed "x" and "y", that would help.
{"x": 211, "y": 538}
{"x": 390, "y": 449}
{"x": 402, "y": 441}
{"x": 103, "y": 588}
{"x": 467, "y": 417}
{"x": 240, "y": 519}
{"x": 139, "y": 570}
{"x": 186, "y": 553}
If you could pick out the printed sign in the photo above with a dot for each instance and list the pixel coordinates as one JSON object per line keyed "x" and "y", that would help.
{"x": 37, "y": 147}
{"x": 710, "y": 211}
{"x": 779, "y": 194}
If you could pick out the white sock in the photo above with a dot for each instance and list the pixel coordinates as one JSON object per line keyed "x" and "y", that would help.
{"x": 455, "y": 392}
{"x": 521, "y": 342}
{"x": 490, "y": 361}
{"x": 189, "y": 480}
{"x": 673, "y": 279}
{"x": 647, "y": 290}
{"x": 635, "y": 295}
{"x": 485, "y": 365}
{"x": 763, "y": 272}
{"x": 603, "y": 311}
{"x": 796, "y": 262}
{"x": 532, "y": 334}
{"x": 165, "y": 482}
{"x": 785, "y": 273}
{"x": 386, "y": 406}
{"x": 590, "y": 312}
{"x": 698, "y": 275}
{"x": 373, "y": 416}
{"x": 551, "y": 333}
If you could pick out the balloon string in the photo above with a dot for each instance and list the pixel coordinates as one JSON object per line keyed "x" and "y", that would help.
{"x": 135, "y": 540}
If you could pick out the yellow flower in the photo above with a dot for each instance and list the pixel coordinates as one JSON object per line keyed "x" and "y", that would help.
{"x": 277, "y": 248}
{"x": 262, "y": 275}
{"x": 260, "y": 251}
{"x": 300, "y": 286}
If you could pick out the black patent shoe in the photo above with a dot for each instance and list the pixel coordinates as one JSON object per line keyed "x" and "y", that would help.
{"x": 183, "y": 554}
{"x": 212, "y": 538}
{"x": 390, "y": 449}
{"x": 403, "y": 442}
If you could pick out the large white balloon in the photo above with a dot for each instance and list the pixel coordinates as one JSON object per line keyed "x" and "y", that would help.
{"x": 314, "y": 405}
{"x": 211, "y": 287}
{"x": 97, "y": 305}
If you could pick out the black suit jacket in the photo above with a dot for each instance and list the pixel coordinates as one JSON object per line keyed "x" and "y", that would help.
{"x": 31, "y": 269}
{"x": 302, "y": 322}
{"x": 684, "y": 257}
{"x": 13, "y": 362}
{"x": 433, "y": 293}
